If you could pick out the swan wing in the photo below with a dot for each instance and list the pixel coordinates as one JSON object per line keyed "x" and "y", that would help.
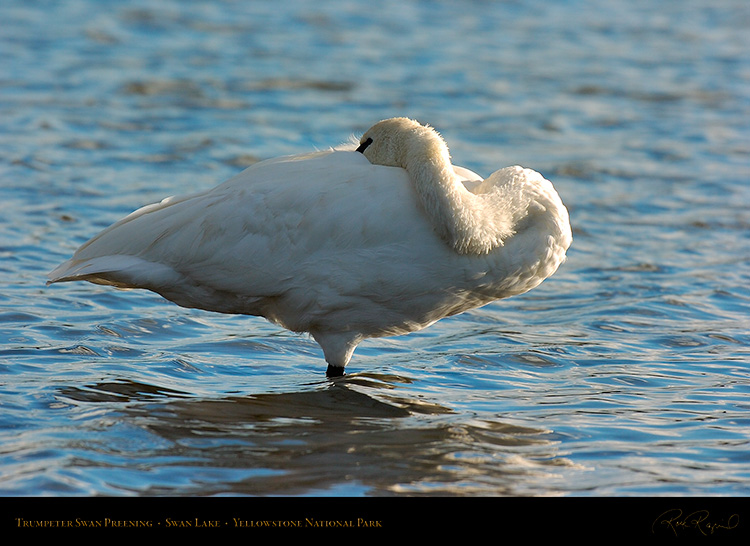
{"x": 301, "y": 229}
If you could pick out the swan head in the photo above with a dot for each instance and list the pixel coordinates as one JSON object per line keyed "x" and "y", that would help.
{"x": 469, "y": 223}
{"x": 422, "y": 152}
{"x": 405, "y": 143}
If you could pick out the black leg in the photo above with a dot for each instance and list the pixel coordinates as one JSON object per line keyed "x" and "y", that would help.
{"x": 334, "y": 371}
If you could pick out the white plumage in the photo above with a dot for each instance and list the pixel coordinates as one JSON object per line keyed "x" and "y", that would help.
{"x": 342, "y": 244}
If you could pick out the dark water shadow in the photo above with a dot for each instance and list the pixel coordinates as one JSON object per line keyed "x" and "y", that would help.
{"x": 350, "y": 436}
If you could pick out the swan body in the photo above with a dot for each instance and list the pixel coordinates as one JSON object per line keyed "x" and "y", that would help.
{"x": 343, "y": 244}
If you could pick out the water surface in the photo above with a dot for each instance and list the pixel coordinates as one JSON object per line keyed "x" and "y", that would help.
{"x": 627, "y": 373}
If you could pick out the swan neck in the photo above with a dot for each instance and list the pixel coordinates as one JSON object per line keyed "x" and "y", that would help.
{"x": 457, "y": 215}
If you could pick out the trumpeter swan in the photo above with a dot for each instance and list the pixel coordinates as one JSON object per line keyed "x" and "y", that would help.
{"x": 344, "y": 244}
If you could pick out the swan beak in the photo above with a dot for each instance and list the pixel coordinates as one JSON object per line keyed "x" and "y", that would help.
{"x": 363, "y": 146}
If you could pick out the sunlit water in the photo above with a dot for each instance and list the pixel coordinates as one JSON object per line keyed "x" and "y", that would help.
{"x": 627, "y": 373}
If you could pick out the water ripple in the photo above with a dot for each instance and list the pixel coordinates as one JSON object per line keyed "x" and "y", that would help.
{"x": 627, "y": 373}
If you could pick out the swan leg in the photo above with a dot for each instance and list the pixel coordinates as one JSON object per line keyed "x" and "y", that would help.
{"x": 338, "y": 349}
{"x": 335, "y": 371}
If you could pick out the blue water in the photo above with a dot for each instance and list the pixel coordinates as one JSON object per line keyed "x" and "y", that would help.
{"x": 627, "y": 373}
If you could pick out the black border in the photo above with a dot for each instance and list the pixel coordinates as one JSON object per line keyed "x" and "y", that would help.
{"x": 659, "y": 519}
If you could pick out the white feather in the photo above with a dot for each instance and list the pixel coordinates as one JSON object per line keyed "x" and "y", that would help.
{"x": 338, "y": 244}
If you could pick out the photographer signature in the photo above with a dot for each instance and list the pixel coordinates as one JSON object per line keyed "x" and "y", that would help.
{"x": 698, "y": 520}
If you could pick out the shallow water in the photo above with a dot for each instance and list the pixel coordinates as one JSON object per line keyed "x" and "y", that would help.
{"x": 627, "y": 373}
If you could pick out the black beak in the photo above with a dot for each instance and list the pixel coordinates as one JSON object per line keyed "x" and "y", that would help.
{"x": 363, "y": 146}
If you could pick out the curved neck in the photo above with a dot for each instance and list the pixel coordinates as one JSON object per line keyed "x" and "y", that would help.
{"x": 462, "y": 219}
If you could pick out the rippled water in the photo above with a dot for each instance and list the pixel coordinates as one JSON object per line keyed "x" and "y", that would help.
{"x": 627, "y": 373}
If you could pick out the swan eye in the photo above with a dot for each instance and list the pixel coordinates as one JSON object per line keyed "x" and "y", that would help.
{"x": 363, "y": 145}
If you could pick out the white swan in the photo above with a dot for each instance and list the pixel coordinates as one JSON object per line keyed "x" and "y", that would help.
{"x": 340, "y": 244}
